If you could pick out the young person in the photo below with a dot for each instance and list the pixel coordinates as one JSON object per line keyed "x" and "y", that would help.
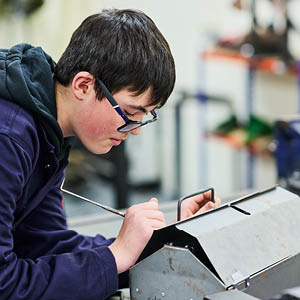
{"x": 117, "y": 69}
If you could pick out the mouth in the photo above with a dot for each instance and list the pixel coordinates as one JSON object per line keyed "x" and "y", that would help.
{"x": 116, "y": 142}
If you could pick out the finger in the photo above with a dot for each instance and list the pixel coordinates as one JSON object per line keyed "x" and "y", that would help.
{"x": 154, "y": 214}
{"x": 184, "y": 215}
{"x": 217, "y": 201}
{"x": 153, "y": 200}
{"x": 151, "y": 204}
{"x": 157, "y": 224}
{"x": 200, "y": 199}
{"x": 209, "y": 205}
{"x": 208, "y": 195}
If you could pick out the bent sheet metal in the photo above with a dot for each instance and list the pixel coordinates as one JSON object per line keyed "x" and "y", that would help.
{"x": 251, "y": 244}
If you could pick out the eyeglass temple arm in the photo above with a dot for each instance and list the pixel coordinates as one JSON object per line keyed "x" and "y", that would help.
{"x": 112, "y": 100}
{"x": 154, "y": 114}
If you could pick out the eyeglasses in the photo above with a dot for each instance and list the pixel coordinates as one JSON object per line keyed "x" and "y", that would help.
{"x": 129, "y": 124}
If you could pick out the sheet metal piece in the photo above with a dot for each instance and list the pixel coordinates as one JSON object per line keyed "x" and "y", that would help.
{"x": 249, "y": 242}
{"x": 256, "y": 244}
{"x": 230, "y": 295}
{"x": 293, "y": 294}
{"x": 172, "y": 273}
{"x": 273, "y": 280}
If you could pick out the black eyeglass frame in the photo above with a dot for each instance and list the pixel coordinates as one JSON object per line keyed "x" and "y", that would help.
{"x": 129, "y": 124}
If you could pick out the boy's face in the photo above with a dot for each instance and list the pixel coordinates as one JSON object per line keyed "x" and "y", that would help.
{"x": 95, "y": 122}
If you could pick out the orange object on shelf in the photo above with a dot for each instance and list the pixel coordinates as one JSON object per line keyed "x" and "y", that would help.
{"x": 263, "y": 63}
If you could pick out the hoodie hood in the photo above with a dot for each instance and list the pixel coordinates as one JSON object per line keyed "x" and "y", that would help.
{"x": 26, "y": 78}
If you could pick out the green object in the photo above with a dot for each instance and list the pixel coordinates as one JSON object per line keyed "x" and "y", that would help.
{"x": 228, "y": 125}
{"x": 257, "y": 127}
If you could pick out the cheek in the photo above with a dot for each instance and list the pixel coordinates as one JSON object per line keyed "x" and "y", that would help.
{"x": 95, "y": 128}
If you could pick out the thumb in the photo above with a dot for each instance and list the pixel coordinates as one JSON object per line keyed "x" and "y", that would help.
{"x": 155, "y": 201}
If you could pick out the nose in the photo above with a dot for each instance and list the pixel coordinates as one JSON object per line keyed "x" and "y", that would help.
{"x": 136, "y": 131}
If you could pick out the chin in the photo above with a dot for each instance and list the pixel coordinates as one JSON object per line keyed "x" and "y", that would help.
{"x": 104, "y": 151}
{"x": 99, "y": 150}
{"x": 98, "y": 147}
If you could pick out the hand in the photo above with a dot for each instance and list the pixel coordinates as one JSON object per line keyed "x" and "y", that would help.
{"x": 139, "y": 223}
{"x": 198, "y": 204}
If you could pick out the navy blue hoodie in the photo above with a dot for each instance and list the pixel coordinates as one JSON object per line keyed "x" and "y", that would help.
{"x": 39, "y": 257}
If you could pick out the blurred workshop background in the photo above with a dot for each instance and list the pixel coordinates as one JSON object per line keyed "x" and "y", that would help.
{"x": 231, "y": 122}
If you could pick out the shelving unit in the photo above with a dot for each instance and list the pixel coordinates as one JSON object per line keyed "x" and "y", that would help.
{"x": 253, "y": 65}
{"x": 243, "y": 80}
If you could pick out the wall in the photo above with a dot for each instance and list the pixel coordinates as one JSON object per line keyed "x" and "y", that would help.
{"x": 189, "y": 27}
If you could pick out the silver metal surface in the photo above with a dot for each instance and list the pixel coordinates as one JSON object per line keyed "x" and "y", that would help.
{"x": 230, "y": 295}
{"x": 172, "y": 273}
{"x": 294, "y": 292}
{"x": 254, "y": 248}
{"x": 274, "y": 279}
{"x": 249, "y": 242}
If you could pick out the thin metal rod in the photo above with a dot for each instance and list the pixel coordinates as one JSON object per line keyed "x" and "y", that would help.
{"x": 110, "y": 209}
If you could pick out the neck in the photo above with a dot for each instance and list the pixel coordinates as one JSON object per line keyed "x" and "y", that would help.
{"x": 62, "y": 94}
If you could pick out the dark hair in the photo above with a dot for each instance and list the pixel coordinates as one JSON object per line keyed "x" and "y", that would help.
{"x": 124, "y": 49}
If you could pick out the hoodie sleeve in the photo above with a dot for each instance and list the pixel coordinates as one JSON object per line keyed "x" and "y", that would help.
{"x": 42, "y": 259}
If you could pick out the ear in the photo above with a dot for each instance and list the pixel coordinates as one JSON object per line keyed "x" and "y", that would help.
{"x": 82, "y": 85}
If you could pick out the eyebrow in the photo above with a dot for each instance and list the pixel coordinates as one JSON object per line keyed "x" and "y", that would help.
{"x": 138, "y": 107}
